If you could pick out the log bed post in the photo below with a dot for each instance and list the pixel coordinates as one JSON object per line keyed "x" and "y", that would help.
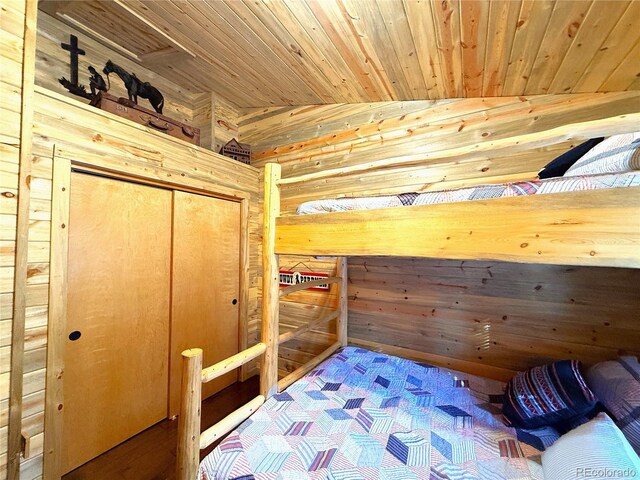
{"x": 343, "y": 299}
{"x": 270, "y": 282}
{"x": 188, "y": 455}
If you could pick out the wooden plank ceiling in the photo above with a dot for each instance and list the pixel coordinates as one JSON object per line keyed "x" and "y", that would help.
{"x": 303, "y": 52}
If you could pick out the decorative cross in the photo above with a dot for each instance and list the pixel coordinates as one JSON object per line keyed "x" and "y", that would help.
{"x": 74, "y": 51}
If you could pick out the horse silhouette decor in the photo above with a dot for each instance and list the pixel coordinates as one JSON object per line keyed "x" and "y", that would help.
{"x": 135, "y": 87}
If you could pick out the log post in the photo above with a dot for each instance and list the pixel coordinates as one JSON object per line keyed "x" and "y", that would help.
{"x": 343, "y": 299}
{"x": 270, "y": 282}
{"x": 188, "y": 455}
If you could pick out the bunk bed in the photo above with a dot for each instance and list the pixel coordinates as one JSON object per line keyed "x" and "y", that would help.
{"x": 590, "y": 227}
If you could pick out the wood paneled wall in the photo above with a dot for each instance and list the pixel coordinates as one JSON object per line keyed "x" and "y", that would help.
{"x": 475, "y": 316}
{"x": 502, "y": 316}
{"x": 76, "y": 131}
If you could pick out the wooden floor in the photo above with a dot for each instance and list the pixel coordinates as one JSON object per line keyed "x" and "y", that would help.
{"x": 151, "y": 455}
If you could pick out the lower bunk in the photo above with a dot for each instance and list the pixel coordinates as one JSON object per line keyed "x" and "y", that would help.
{"x": 368, "y": 415}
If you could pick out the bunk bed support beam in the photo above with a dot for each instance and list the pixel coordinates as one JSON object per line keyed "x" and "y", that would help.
{"x": 188, "y": 454}
{"x": 343, "y": 301}
{"x": 270, "y": 282}
{"x": 594, "y": 228}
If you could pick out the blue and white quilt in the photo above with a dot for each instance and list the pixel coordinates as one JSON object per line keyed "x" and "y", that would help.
{"x": 367, "y": 415}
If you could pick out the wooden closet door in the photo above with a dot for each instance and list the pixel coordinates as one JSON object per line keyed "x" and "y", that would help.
{"x": 206, "y": 286}
{"x": 115, "y": 374}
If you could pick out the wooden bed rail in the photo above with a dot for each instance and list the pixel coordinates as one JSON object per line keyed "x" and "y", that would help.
{"x": 190, "y": 440}
{"x": 285, "y": 337}
{"x": 233, "y": 362}
{"x": 307, "y": 367}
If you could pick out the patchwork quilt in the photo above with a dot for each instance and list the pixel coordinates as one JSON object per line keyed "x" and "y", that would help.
{"x": 371, "y": 416}
{"x": 476, "y": 192}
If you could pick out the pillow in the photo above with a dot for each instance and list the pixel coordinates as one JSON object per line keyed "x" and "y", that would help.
{"x": 558, "y": 166}
{"x": 620, "y": 153}
{"x": 616, "y": 383}
{"x": 548, "y": 395}
{"x": 596, "y": 449}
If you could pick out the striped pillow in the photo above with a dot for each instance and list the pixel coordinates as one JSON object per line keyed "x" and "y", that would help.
{"x": 596, "y": 449}
{"x": 616, "y": 383}
{"x": 620, "y": 153}
{"x": 551, "y": 395}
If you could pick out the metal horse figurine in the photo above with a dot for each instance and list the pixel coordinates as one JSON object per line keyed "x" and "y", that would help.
{"x": 135, "y": 87}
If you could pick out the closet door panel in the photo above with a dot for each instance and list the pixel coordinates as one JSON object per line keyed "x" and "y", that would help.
{"x": 205, "y": 287}
{"x": 115, "y": 376}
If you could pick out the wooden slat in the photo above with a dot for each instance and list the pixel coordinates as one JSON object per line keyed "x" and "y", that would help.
{"x": 555, "y": 228}
{"x": 237, "y": 360}
{"x": 612, "y": 52}
{"x": 311, "y": 283}
{"x": 229, "y": 422}
{"x": 307, "y": 367}
{"x": 285, "y": 337}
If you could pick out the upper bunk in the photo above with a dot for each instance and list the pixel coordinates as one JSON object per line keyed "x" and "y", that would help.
{"x": 589, "y": 227}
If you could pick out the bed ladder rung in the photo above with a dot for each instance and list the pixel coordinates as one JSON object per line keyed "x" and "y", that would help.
{"x": 235, "y": 361}
{"x": 312, "y": 283}
{"x": 285, "y": 337}
{"x": 307, "y": 367}
{"x": 229, "y": 422}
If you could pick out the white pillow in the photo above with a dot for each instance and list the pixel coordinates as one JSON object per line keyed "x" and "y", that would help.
{"x": 596, "y": 449}
{"x": 620, "y": 153}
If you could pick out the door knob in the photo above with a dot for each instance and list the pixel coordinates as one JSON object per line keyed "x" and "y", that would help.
{"x": 234, "y": 301}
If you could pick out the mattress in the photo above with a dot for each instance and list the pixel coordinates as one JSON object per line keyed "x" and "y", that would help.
{"x": 476, "y": 192}
{"x": 367, "y": 415}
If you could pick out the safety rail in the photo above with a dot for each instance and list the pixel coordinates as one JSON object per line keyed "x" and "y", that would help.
{"x": 285, "y": 337}
{"x": 190, "y": 440}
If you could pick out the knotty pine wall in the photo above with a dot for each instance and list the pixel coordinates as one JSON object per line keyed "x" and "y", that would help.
{"x": 11, "y": 59}
{"x": 486, "y": 317}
